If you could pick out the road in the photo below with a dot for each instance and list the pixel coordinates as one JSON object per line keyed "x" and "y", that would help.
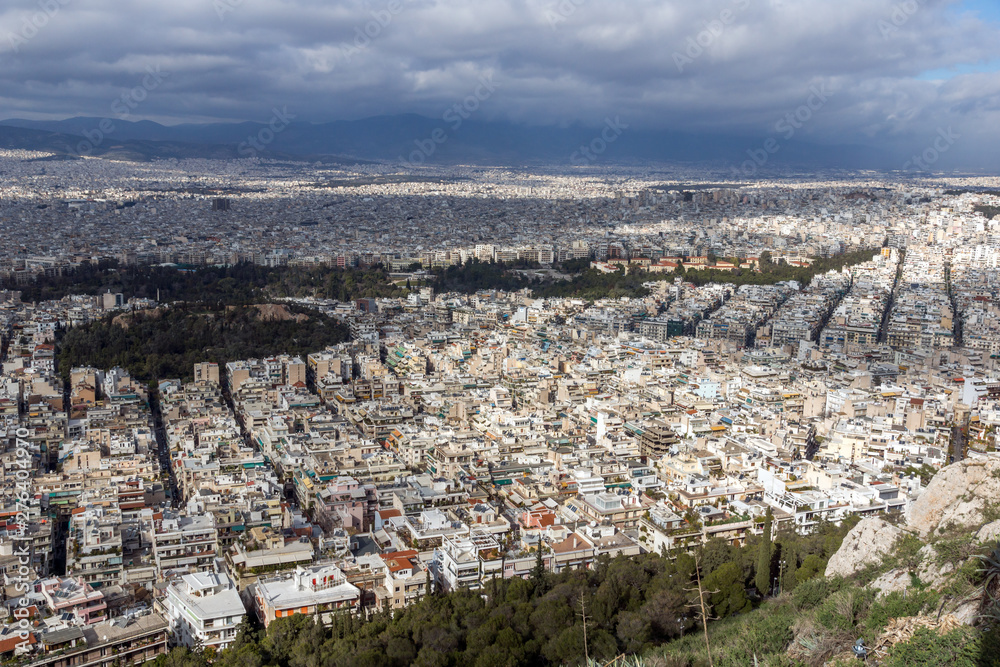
{"x": 957, "y": 444}
{"x": 163, "y": 448}
{"x": 883, "y": 330}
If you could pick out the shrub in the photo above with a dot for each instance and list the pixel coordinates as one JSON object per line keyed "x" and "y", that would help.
{"x": 906, "y": 554}
{"x": 964, "y": 580}
{"x": 959, "y": 648}
{"x": 763, "y": 635}
{"x": 844, "y": 609}
{"x": 898, "y": 605}
{"x": 813, "y": 592}
{"x": 956, "y": 549}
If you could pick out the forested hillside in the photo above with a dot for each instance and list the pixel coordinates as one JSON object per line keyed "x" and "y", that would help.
{"x": 588, "y": 283}
{"x": 167, "y": 342}
{"x": 632, "y": 605}
{"x": 236, "y": 284}
{"x": 246, "y": 283}
{"x": 932, "y": 600}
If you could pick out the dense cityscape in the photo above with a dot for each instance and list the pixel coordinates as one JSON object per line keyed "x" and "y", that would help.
{"x": 437, "y": 441}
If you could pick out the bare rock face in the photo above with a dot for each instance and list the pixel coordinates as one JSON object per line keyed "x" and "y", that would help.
{"x": 957, "y": 495}
{"x": 931, "y": 571}
{"x": 967, "y": 612}
{"x": 893, "y": 581}
{"x": 866, "y": 543}
{"x": 989, "y": 533}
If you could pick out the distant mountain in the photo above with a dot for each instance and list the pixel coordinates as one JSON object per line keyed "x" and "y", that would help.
{"x": 35, "y": 140}
{"x": 90, "y": 141}
{"x": 417, "y": 139}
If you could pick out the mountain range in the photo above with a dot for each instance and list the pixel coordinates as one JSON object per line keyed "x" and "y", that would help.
{"x": 414, "y": 140}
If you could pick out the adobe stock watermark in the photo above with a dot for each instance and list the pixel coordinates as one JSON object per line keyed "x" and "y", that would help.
{"x": 455, "y": 115}
{"x": 588, "y": 154}
{"x": 711, "y": 31}
{"x": 255, "y": 143}
{"x": 901, "y": 13}
{"x": 561, "y": 11}
{"x": 944, "y": 140}
{"x": 371, "y": 30}
{"x": 786, "y": 126}
{"x": 20, "y": 573}
{"x": 30, "y": 25}
{"x": 223, "y": 7}
{"x": 122, "y": 108}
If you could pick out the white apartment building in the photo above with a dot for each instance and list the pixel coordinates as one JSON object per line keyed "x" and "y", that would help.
{"x": 182, "y": 544}
{"x": 203, "y": 609}
{"x": 321, "y": 590}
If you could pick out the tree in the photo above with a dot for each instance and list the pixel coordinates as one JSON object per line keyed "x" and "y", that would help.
{"x": 538, "y": 573}
{"x": 812, "y": 565}
{"x": 727, "y": 595}
{"x": 180, "y": 657}
{"x": 762, "y": 579}
{"x": 715, "y": 553}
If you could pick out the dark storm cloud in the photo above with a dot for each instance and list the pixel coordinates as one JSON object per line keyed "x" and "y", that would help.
{"x": 733, "y": 65}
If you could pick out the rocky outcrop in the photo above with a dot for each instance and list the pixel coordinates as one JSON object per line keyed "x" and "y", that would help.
{"x": 893, "y": 581}
{"x": 931, "y": 572}
{"x": 956, "y": 496}
{"x": 967, "y": 611}
{"x": 989, "y": 533}
{"x": 868, "y": 542}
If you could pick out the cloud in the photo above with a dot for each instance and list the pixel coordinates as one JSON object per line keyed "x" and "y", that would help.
{"x": 555, "y": 61}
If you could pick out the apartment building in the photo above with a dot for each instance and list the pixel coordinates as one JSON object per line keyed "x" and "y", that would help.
{"x": 203, "y": 609}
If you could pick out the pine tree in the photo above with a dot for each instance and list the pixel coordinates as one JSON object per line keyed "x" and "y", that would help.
{"x": 762, "y": 579}
{"x": 538, "y": 573}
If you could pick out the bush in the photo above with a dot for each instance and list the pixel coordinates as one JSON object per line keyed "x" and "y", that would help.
{"x": 955, "y": 550}
{"x": 844, "y": 609}
{"x": 812, "y": 593}
{"x": 898, "y": 605}
{"x": 906, "y": 554}
{"x": 762, "y": 635}
{"x": 959, "y": 648}
{"x": 964, "y": 580}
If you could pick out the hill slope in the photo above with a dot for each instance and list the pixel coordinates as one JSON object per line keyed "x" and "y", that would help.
{"x": 913, "y": 592}
{"x": 167, "y": 342}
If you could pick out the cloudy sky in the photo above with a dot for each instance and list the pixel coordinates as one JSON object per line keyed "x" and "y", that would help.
{"x": 873, "y": 71}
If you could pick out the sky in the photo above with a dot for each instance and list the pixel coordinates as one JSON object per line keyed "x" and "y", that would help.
{"x": 860, "y": 72}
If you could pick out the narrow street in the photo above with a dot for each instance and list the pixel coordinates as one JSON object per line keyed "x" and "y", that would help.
{"x": 162, "y": 447}
{"x": 834, "y": 304}
{"x": 956, "y": 319}
{"x": 883, "y": 331}
{"x": 228, "y": 398}
{"x": 957, "y": 444}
